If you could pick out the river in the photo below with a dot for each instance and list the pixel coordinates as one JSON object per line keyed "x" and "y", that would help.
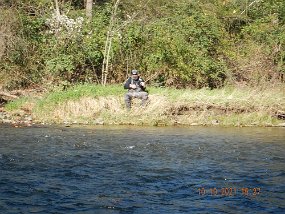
{"x": 142, "y": 170}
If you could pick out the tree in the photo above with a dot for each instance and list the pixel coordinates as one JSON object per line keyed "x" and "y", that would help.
{"x": 108, "y": 44}
{"x": 89, "y": 4}
{"x": 57, "y": 9}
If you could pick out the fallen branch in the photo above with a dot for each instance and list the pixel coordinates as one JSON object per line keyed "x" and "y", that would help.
{"x": 8, "y": 95}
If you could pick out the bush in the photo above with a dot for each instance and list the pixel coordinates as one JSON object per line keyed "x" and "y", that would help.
{"x": 185, "y": 47}
{"x": 173, "y": 43}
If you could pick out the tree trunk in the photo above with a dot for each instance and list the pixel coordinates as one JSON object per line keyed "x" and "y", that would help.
{"x": 57, "y": 9}
{"x": 107, "y": 60}
{"x": 108, "y": 44}
{"x": 112, "y": 29}
{"x": 89, "y": 4}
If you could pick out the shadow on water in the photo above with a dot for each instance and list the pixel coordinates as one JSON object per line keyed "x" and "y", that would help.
{"x": 142, "y": 170}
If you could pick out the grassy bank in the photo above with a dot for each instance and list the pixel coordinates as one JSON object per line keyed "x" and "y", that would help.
{"x": 94, "y": 104}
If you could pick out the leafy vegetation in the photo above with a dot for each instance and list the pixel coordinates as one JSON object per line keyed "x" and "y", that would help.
{"x": 78, "y": 91}
{"x": 178, "y": 43}
{"x": 96, "y": 104}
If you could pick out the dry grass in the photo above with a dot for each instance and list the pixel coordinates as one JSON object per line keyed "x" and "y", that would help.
{"x": 190, "y": 107}
{"x": 226, "y": 106}
{"x": 110, "y": 108}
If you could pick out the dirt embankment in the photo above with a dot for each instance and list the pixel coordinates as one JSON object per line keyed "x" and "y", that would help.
{"x": 22, "y": 116}
{"x": 160, "y": 111}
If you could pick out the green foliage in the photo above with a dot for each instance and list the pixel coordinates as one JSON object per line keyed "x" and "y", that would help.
{"x": 62, "y": 63}
{"x": 269, "y": 32}
{"x": 178, "y": 43}
{"x": 76, "y": 92}
{"x": 16, "y": 104}
{"x": 186, "y": 44}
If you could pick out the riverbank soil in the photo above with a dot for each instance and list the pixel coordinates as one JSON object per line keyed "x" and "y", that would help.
{"x": 95, "y": 104}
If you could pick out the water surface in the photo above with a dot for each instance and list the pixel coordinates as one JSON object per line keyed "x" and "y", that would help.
{"x": 142, "y": 170}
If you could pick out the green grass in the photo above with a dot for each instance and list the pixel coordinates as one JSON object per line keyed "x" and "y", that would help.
{"x": 78, "y": 91}
{"x": 225, "y": 96}
{"x": 16, "y": 104}
{"x": 230, "y": 106}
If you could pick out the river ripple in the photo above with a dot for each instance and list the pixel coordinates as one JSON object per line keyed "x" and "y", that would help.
{"x": 142, "y": 170}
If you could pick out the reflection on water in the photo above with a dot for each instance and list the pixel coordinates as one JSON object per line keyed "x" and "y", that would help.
{"x": 142, "y": 170}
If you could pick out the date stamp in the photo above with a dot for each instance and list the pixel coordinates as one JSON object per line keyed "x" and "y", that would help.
{"x": 229, "y": 191}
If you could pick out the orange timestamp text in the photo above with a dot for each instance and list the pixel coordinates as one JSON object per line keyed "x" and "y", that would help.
{"x": 229, "y": 191}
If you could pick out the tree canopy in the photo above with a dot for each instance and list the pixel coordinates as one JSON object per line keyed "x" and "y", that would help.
{"x": 180, "y": 43}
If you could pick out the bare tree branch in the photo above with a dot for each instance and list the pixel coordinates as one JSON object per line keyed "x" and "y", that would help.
{"x": 108, "y": 44}
{"x": 255, "y": 1}
{"x": 89, "y": 5}
{"x": 57, "y": 9}
{"x": 110, "y": 34}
